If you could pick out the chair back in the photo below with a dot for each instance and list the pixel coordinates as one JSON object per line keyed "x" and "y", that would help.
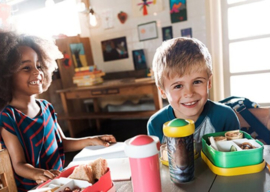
{"x": 6, "y": 172}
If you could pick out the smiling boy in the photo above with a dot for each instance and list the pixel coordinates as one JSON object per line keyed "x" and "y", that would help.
{"x": 183, "y": 75}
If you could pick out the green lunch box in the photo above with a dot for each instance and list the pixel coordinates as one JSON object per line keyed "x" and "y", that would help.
{"x": 233, "y": 158}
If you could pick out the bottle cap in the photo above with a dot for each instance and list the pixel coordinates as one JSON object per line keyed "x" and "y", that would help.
{"x": 142, "y": 146}
{"x": 178, "y": 128}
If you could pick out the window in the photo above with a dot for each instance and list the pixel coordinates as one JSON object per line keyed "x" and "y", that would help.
{"x": 60, "y": 18}
{"x": 246, "y": 49}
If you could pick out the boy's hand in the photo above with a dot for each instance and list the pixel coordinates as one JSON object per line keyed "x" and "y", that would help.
{"x": 44, "y": 175}
{"x": 104, "y": 140}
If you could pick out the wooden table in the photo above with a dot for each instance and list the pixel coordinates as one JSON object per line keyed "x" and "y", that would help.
{"x": 205, "y": 180}
{"x": 107, "y": 89}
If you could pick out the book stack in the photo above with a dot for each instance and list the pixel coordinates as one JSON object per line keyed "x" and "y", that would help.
{"x": 87, "y": 76}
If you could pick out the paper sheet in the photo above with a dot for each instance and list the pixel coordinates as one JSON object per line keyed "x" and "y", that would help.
{"x": 115, "y": 156}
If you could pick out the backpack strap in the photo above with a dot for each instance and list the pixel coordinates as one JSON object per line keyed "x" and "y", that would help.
{"x": 261, "y": 130}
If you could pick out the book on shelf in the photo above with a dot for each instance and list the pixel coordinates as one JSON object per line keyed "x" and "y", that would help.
{"x": 98, "y": 79}
{"x": 87, "y": 68}
{"x": 89, "y": 76}
{"x": 88, "y": 83}
{"x": 81, "y": 73}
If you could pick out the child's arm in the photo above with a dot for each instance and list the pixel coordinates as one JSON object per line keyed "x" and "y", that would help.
{"x": 75, "y": 144}
{"x": 21, "y": 167}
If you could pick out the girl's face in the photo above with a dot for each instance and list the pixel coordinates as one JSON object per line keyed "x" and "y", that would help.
{"x": 29, "y": 78}
{"x": 187, "y": 94}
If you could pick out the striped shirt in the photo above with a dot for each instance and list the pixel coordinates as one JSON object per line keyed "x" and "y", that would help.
{"x": 39, "y": 138}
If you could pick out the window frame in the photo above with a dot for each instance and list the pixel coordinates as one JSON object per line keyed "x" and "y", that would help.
{"x": 225, "y": 45}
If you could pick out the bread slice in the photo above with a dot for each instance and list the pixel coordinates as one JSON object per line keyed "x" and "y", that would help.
{"x": 99, "y": 167}
{"x": 83, "y": 172}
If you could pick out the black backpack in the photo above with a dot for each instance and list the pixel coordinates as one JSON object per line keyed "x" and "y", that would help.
{"x": 241, "y": 105}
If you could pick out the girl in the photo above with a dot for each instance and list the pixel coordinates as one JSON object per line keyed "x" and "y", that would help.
{"x": 28, "y": 126}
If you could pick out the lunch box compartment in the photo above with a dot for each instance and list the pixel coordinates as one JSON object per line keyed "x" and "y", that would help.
{"x": 233, "y": 158}
{"x": 103, "y": 184}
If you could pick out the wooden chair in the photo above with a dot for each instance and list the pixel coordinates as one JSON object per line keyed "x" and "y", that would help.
{"x": 6, "y": 172}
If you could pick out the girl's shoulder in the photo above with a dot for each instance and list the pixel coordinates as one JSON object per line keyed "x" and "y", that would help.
{"x": 44, "y": 103}
{"x": 8, "y": 111}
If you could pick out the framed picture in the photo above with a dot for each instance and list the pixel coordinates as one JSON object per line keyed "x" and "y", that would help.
{"x": 114, "y": 49}
{"x": 139, "y": 60}
{"x": 186, "y": 32}
{"x": 167, "y": 33}
{"x": 147, "y": 31}
{"x": 78, "y": 55}
{"x": 178, "y": 10}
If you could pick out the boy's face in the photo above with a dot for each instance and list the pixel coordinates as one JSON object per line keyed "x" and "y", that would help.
{"x": 187, "y": 94}
{"x": 29, "y": 78}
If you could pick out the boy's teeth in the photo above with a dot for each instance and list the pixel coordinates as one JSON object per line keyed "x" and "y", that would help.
{"x": 192, "y": 103}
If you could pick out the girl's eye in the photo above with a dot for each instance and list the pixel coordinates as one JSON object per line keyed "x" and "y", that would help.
{"x": 39, "y": 67}
{"x": 26, "y": 68}
{"x": 178, "y": 86}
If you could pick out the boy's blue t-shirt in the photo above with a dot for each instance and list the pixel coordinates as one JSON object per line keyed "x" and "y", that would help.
{"x": 215, "y": 117}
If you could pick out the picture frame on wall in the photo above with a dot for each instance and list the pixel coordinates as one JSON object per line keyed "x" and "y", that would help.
{"x": 139, "y": 59}
{"x": 167, "y": 33}
{"x": 114, "y": 49}
{"x": 148, "y": 31}
{"x": 178, "y": 10}
{"x": 186, "y": 32}
{"x": 78, "y": 55}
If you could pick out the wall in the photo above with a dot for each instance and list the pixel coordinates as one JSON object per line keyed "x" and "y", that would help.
{"x": 195, "y": 20}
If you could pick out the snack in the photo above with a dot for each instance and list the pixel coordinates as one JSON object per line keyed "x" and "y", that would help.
{"x": 230, "y": 135}
{"x": 233, "y": 148}
{"x": 246, "y": 145}
{"x": 91, "y": 171}
{"x": 220, "y": 138}
{"x": 53, "y": 187}
{"x": 76, "y": 189}
{"x": 99, "y": 167}
{"x": 83, "y": 172}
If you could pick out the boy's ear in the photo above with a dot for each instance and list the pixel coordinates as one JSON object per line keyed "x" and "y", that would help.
{"x": 162, "y": 93}
{"x": 210, "y": 82}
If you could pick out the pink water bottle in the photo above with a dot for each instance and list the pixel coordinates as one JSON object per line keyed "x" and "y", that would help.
{"x": 143, "y": 151}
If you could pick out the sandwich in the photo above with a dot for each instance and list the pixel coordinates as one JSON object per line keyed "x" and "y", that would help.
{"x": 83, "y": 172}
{"x": 99, "y": 167}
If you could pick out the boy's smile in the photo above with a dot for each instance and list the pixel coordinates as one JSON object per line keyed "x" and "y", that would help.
{"x": 187, "y": 94}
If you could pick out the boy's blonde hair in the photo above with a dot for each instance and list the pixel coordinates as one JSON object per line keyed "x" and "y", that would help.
{"x": 180, "y": 56}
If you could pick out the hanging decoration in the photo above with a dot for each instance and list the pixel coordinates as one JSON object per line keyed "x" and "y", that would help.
{"x": 66, "y": 60}
{"x": 107, "y": 19}
{"x": 145, "y": 7}
{"x": 122, "y": 16}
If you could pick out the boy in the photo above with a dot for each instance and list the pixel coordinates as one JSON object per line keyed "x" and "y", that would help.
{"x": 183, "y": 75}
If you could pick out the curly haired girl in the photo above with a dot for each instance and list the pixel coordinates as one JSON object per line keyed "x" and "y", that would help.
{"x": 28, "y": 126}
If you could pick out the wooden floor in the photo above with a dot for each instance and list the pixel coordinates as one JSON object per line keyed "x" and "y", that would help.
{"x": 121, "y": 129}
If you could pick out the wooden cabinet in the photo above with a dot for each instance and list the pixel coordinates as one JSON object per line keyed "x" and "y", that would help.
{"x": 66, "y": 72}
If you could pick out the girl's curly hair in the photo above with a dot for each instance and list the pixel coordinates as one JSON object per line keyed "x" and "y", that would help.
{"x": 10, "y": 59}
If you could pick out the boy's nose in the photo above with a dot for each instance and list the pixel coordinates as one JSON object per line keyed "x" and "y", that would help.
{"x": 188, "y": 92}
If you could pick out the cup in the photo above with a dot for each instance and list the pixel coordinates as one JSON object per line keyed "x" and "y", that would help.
{"x": 180, "y": 144}
{"x": 143, "y": 151}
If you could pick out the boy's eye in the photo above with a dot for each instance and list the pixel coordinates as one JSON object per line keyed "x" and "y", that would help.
{"x": 178, "y": 86}
{"x": 197, "y": 82}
